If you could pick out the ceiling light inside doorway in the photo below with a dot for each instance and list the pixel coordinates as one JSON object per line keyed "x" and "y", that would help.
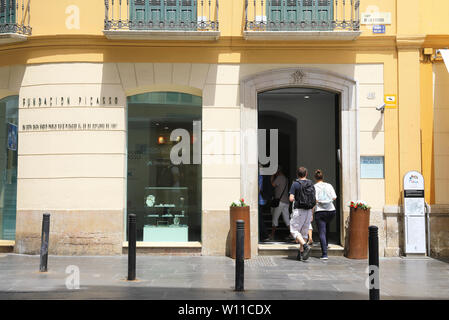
{"x": 306, "y": 97}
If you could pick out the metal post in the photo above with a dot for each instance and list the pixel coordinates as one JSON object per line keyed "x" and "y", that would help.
{"x": 374, "y": 291}
{"x": 239, "y": 259}
{"x": 131, "y": 247}
{"x": 44, "y": 242}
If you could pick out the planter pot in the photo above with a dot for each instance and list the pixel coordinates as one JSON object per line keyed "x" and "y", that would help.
{"x": 358, "y": 234}
{"x": 240, "y": 213}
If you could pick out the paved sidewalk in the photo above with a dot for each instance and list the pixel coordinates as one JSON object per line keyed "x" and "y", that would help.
{"x": 212, "y": 278}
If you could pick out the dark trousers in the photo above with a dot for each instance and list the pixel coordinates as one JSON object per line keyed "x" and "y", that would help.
{"x": 322, "y": 220}
{"x": 262, "y": 229}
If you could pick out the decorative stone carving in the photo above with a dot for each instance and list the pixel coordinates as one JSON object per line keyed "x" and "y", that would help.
{"x": 298, "y": 76}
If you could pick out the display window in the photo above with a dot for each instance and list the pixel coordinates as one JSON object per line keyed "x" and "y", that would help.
{"x": 8, "y": 166}
{"x": 164, "y": 193}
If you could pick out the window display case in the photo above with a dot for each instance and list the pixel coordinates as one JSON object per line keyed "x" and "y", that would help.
{"x": 166, "y": 210}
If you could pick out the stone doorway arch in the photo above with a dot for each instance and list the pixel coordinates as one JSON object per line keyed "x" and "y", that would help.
{"x": 309, "y": 78}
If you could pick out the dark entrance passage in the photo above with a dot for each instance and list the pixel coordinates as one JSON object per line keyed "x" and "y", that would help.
{"x": 309, "y": 135}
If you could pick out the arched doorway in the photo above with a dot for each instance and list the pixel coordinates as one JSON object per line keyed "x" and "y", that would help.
{"x": 308, "y": 124}
{"x": 164, "y": 195}
{"x": 304, "y": 77}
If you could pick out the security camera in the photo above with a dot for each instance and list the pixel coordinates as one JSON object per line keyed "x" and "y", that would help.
{"x": 381, "y": 109}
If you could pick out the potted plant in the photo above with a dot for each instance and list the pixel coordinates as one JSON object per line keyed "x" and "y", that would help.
{"x": 359, "y": 216}
{"x": 240, "y": 211}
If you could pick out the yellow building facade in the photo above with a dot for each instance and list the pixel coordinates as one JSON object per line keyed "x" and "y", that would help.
{"x": 89, "y": 87}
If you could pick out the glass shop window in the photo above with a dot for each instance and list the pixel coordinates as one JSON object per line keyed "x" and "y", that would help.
{"x": 8, "y": 166}
{"x": 164, "y": 195}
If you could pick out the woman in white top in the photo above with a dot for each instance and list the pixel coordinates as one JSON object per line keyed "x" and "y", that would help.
{"x": 324, "y": 209}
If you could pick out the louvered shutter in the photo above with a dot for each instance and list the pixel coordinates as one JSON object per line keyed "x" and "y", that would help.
{"x": 275, "y": 13}
{"x": 171, "y": 12}
{"x": 307, "y": 13}
{"x": 156, "y": 15}
{"x": 139, "y": 13}
{"x": 325, "y": 14}
{"x": 2, "y": 11}
{"x": 8, "y": 11}
{"x": 292, "y": 11}
{"x": 188, "y": 13}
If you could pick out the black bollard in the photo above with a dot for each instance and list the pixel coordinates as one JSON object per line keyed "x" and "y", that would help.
{"x": 44, "y": 242}
{"x": 374, "y": 291}
{"x": 239, "y": 252}
{"x": 132, "y": 247}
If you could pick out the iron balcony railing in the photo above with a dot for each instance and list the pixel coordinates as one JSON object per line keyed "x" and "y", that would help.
{"x": 15, "y": 17}
{"x": 302, "y": 15}
{"x": 168, "y": 15}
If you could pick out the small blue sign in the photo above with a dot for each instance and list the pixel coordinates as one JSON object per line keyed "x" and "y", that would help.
{"x": 372, "y": 167}
{"x": 379, "y": 28}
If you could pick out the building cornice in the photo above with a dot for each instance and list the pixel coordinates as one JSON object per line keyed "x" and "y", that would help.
{"x": 410, "y": 42}
{"x": 363, "y": 42}
{"x": 437, "y": 41}
{"x": 97, "y": 48}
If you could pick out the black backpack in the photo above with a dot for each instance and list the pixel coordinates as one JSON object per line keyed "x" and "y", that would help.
{"x": 305, "y": 195}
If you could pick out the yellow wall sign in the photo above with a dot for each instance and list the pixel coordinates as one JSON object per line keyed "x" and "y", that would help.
{"x": 391, "y": 101}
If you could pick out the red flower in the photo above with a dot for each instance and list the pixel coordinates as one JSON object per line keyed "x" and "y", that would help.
{"x": 242, "y": 200}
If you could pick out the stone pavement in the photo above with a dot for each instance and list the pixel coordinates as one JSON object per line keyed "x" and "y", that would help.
{"x": 212, "y": 278}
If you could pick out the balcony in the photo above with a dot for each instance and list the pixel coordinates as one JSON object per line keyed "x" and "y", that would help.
{"x": 14, "y": 20}
{"x": 302, "y": 19}
{"x": 161, "y": 19}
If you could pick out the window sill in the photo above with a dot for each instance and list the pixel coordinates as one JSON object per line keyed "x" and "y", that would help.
{"x": 6, "y": 38}
{"x": 161, "y": 35}
{"x": 302, "y": 35}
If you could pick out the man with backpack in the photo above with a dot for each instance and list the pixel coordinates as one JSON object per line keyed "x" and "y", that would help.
{"x": 302, "y": 194}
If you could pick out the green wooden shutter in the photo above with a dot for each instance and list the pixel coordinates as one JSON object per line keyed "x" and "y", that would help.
{"x": 275, "y": 14}
{"x": 325, "y": 14}
{"x": 188, "y": 14}
{"x": 7, "y": 11}
{"x": 292, "y": 11}
{"x": 163, "y": 14}
{"x": 2, "y": 11}
{"x": 307, "y": 14}
{"x": 139, "y": 13}
{"x": 181, "y": 14}
{"x": 156, "y": 13}
{"x": 300, "y": 14}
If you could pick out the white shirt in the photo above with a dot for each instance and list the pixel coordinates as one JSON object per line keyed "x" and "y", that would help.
{"x": 325, "y": 194}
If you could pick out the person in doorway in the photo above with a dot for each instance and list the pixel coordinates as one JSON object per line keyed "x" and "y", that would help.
{"x": 302, "y": 194}
{"x": 280, "y": 202}
{"x": 265, "y": 194}
{"x": 324, "y": 209}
